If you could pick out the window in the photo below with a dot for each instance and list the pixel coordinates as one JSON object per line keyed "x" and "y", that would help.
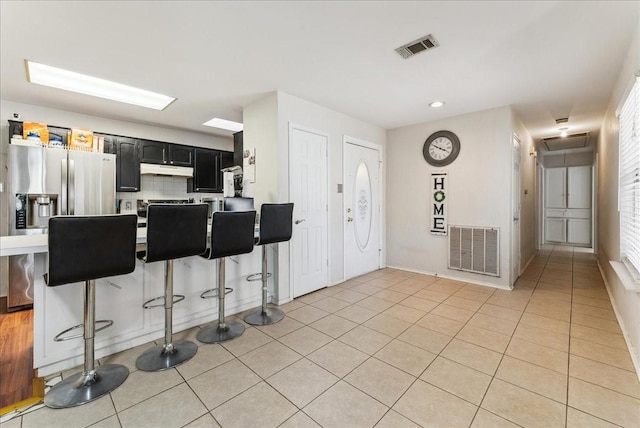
{"x": 629, "y": 185}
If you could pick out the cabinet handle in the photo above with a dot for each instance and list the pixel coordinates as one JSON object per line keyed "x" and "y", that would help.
{"x": 164, "y": 159}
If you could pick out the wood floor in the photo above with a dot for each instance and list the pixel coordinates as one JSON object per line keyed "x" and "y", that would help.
{"x": 16, "y": 355}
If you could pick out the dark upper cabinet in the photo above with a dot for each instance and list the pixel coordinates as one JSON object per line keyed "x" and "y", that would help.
{"x": 127, "y": 164}
{"x": 180, "y": 155}
{"x": 237, "y": 148}
{"x": 153, "y": 152}
{"x": 165, "y": 153}
{"x": 205, "y": 171}
{"x": 207, "y": 177}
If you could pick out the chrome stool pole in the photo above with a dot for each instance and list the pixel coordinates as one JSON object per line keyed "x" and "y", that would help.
{"x": 266, "y": 316}
{"x": 221, "y": 331}
{"x": 170, "y": 353}
{"x": 91, "y": 383}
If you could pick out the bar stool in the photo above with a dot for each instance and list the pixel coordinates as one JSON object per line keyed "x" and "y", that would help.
{"x": 86, "y": 248}
{"x": 173, "y": 231}
{"x": 232, "y": 233}
{"x": 275, "y": 226}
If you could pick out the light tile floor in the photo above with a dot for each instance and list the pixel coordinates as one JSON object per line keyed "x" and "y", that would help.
{"x": 398, "y": 349}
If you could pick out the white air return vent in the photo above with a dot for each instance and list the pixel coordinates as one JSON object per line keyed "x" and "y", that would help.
{"x": 575, "y": 141}
{"x": 474, "y": 249}
{"x": 420, "y": 45}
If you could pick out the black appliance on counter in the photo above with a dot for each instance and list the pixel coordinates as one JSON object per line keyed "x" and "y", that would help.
{"x": 143, "y": 204}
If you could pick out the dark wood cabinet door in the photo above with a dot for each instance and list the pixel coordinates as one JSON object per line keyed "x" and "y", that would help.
{"x": 180, "y": 155}
{"x": 153, "y": 152}
{"x": 205, "y": 178}
{"x": 127, "y": 165}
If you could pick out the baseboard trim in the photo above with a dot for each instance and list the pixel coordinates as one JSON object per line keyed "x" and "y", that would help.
{"x": 453, "y": 277}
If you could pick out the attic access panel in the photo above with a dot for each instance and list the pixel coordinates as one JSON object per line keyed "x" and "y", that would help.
{"x": 575, "y": 141}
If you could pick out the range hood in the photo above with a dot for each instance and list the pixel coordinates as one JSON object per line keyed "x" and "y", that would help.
{"x": 154, "y": 169}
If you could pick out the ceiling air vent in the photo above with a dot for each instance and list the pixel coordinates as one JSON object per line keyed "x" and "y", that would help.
{"x": 562, "y": 120}
{"x": 422, "y": 44}
{"x": 574, "y": 141}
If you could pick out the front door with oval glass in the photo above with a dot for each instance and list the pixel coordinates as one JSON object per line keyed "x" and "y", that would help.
{"x": 362, "y": 209}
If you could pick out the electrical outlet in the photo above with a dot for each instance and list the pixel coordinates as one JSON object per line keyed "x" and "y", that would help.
{"x": 127, "y": 205}
{"x": 16, "y": 116}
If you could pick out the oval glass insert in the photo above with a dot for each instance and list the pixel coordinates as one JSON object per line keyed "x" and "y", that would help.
{"x": 362, "y": 203}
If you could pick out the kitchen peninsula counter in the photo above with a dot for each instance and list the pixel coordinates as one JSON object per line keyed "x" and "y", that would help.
{"x": 120, "y": 299}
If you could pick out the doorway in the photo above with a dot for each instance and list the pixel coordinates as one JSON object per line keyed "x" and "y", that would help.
{"x": 362, "y": 205}
{"x": 308, "y": 182}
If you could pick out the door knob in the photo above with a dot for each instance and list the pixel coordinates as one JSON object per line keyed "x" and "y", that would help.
{"x": 300, "y": 221}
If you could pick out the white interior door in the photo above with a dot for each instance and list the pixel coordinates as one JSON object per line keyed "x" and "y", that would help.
{"x": 309, "y": 193}
{"x": 555, "y": 188}
{"x": 579, "y": 187}
{"x": 516, "y": 207}
{"x": 362, "y": 209}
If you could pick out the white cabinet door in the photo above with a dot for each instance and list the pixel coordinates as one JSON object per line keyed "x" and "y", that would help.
{"x": 555, "y": 187}
{"x": 554, "y": 230}
{"x": 579, "y": 231}
{"x": 579, "y": 187}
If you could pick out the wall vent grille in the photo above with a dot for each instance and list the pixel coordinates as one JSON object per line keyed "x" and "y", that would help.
{"x": 474, "y": 249}
{"x": 420, "y": 45}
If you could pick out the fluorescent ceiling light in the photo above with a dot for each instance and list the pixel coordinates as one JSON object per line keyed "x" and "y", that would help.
{"x": 436, "y": 104}
{"x": 224, "y": 124}
{"x": 81, "y": 83}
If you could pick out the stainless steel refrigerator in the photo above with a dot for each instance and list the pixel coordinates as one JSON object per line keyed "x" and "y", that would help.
{"x": 46, "y": 182}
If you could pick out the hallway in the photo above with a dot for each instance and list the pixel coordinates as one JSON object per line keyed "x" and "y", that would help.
{"x": 394, "y": 349}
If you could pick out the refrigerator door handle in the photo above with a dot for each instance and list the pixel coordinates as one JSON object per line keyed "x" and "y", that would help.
{"x": 72, "y": 186}
{"x": 63, "y": 196}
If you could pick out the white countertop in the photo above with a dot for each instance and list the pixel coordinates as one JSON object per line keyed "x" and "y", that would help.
{"x": 27, "y": 244}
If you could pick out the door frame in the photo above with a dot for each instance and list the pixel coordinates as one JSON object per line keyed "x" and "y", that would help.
{"x": 291, "y": 127}
{"x": 516, "y": 181}
{"x": 381, "y": 179}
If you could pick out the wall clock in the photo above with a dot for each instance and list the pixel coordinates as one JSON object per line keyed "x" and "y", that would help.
{"x": 441, "y": 148}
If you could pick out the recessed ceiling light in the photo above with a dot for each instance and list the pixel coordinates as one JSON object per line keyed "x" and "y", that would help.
{"x": 436, "y": 104}
{"x": 224, "y": 124}
{"x": 81, "y": 83}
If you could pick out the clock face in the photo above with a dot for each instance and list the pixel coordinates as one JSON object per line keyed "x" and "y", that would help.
{"x": 441, "y": 148}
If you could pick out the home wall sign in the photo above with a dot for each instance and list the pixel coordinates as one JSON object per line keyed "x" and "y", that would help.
{"x": 439, "y": 188}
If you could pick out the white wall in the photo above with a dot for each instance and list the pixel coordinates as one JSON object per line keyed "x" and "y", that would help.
{"x": 626, "y": 303}
{"x": 32, "y": 113}
{"x": 569, "y": 159}
{"x": 479, "y": 191}
{"x": 278, "y": 110}
{"x": 527, "y": 193}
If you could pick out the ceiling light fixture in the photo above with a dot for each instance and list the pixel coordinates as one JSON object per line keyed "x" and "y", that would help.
{"x": 229, "y": 125}
{"x": 46, "y": 75}
{"x": 436, "y": 104}
{"x": 563, "y": 131}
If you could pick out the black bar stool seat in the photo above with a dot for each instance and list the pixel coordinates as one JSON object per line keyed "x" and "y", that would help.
{"x": 173, "y": 232}
{"x": 275, "y": 226}
{"x": 86, "y": 248}
{"x": 232, "y": 234}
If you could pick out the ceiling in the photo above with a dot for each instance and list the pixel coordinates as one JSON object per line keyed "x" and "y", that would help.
{"x": 547, "y": 59}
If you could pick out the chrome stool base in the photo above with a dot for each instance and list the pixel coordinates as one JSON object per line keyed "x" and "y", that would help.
{"x": 267, "y": 317}
{"x": 161, "y": 358}
{"x": 83, "y": 387}
{"x": 215, "y": 334}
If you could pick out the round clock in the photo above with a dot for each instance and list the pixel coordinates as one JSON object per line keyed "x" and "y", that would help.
{"x": 441, "y": 148}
